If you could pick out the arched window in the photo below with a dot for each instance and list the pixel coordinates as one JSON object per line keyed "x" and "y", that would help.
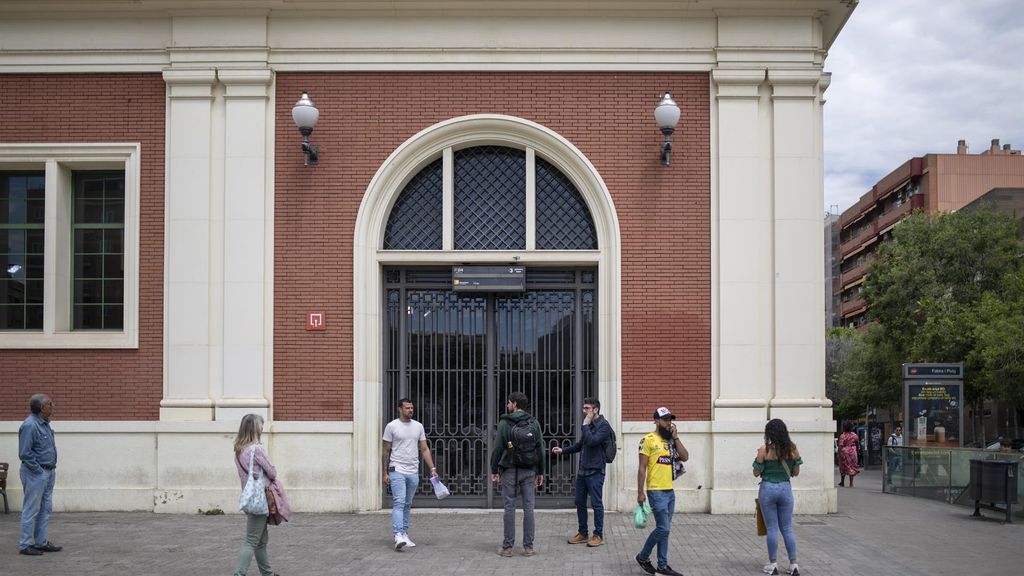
{"x": 490, "y": 198}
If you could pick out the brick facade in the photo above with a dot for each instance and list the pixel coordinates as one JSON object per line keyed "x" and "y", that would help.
{"x": 95, "y": 108}
{"x": 664, "y": 216}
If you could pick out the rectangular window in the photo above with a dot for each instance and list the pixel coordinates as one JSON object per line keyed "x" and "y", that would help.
{"x": 98, "y": 251}
{"x": 22, "y": 217}
{"x": 69, "y": 245}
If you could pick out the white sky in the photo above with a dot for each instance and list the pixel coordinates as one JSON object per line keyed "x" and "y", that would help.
{"x": 911, "y": 77}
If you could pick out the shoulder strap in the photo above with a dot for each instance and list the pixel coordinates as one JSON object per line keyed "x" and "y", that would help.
{"x": 785, "y": 467}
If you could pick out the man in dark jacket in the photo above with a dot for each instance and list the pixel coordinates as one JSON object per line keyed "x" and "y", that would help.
{"x": 595, "y": 433}
{"x": 517, "y": 460}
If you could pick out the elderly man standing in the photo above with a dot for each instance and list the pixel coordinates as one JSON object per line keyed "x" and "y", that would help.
{"x": 37, "y": 450}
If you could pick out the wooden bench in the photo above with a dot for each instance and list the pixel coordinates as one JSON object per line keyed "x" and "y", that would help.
{"x": 3, "y": 485}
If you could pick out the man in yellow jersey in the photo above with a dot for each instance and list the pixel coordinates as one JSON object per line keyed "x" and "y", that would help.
{"x": 654, "y": 482}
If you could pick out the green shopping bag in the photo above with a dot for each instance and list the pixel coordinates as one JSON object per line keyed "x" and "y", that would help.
{"x": 640, "y": 514}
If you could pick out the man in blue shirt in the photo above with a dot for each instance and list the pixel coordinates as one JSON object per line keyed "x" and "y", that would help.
{"x": 37, "y": 450}
{"x": 595, "y": 433}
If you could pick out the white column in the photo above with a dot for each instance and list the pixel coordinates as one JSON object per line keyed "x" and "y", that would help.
{"x": 799, "y": 392}
{"x": 245, "y": 232}
{"x": 743, "y": 242}
{"x": 187, "y": 245}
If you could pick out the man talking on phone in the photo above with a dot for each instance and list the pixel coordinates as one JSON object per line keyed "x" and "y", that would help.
{"x": 654, "y": 478}
{"x": 594, "y": 434}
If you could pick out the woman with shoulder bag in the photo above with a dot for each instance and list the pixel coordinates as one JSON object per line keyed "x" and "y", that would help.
{"x": 776, "y": 462}
{"x": 249, "y": 450}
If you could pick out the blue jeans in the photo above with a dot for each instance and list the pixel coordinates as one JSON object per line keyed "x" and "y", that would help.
{"x": 777, "y": 507}
{"x": 403, "y": 489}
{"x": 35, "y": 511}
{"x": 663, "y": 504}
{"x": 593, "y": 485}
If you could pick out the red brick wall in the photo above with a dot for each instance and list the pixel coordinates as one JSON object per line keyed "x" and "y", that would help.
{"x": 664, "y": 215}
{"x": 79, "y": 108}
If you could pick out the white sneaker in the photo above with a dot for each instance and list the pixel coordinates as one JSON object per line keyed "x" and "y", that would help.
{"x": 408, "y": 542}
{"x": 794, "y": 570}
{"x": 399, "y": 542}
{"x": 771, "y": 569}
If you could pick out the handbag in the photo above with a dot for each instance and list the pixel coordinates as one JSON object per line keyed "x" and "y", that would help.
{"x": 254, "y": 496}
{"x": 762, "y": 529}
{"x": 271, "y": 501}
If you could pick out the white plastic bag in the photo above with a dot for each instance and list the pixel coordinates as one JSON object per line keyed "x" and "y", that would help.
{"x": 254, "y": 498}
{"x": 440, "y": 490}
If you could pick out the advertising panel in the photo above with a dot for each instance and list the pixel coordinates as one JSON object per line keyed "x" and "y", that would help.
{"x": 934, "y": 413}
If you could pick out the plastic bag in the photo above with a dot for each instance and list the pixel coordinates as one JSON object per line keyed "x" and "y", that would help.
{"x": 440, "y": 490}
{"x": 640, "y": 514}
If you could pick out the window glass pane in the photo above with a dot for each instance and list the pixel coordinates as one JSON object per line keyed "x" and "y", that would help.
{"x": 34, "y": 317}
{"x": 113, "y": 317}
{"x": 21, "y": 198}
{"x": 563, "y": 219}
{"x": 490, "y": 198}
{"x": 113, "y": 291}
{"x": 88, "y": 317}
{"x": 35, "y": 241}
{"x": 12, "y": 317}
{"x": 34, "y": 291}
{"x": 88, "y": 241}
{"x": 12, "y": 241}
{"x": 113, "y": 266}
{"x": 88, "y": 266}
{"x": 12, "y": 291}
{"x": 34, "y": 266}
{"x": 98, "y": 264}
{"x": 415, "y": 222}
{"x": 88, "y": 291}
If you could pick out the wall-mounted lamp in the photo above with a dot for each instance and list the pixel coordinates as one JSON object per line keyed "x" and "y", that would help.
{"x": 666, "y": 114}
{"x": 305, "y": 116}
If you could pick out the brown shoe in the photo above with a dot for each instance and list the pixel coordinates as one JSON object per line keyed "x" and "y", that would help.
{"x": 529, "y": 552}
{"x": 595, "y": 541}
{"x": 578, "y": 539}
{"x": 506, "y": 552}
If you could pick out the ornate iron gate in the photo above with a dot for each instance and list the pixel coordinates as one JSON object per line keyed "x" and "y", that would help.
{"x": 458, "y": 357}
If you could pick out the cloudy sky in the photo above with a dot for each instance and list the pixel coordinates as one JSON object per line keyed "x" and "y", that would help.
{"x": 911, "y": 77}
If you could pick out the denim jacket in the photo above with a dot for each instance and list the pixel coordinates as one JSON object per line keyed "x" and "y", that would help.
{"x": 36, "y": 444}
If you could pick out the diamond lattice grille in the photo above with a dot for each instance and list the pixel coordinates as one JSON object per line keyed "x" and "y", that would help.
{"x": 563, "y": 220}
{"x": 490, "y": 198}
{"x": 415, "y": 221}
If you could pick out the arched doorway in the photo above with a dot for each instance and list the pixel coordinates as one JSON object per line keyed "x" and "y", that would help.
{"x": 482, "y": 190}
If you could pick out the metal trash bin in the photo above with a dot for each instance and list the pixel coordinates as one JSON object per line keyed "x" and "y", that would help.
{"x": 993, "y": 482}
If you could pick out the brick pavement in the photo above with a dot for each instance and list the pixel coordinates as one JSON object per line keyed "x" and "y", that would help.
{"x": 874, "y": 533}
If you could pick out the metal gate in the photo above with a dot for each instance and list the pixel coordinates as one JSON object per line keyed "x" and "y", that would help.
{"x": 458, "y": 357}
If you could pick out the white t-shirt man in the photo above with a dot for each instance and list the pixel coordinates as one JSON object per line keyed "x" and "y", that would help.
{"x": 405, "y": 440}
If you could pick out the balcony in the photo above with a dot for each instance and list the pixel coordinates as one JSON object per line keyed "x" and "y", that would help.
{"x": 869, "y": 232}
{"x": 893, "y": 216}
{"x": 855, "y": 272}
{"x": 853, "y": 305}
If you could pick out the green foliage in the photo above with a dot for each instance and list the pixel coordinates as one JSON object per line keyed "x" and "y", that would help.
{"x": 211, "y": 512}
{"x": 948, "y": 288}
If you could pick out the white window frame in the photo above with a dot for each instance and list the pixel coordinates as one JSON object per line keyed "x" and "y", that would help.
{"x": 59, "y": 162}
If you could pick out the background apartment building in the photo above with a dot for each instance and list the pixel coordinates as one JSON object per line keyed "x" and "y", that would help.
{"x": 934, "y": 183}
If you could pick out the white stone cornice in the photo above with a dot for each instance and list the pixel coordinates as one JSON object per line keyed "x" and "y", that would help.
{"x": 794, "y": 83}
{"x": 190, "y": 83}
{"x": 738, "y": 83}
{"x": 245, "y": 83}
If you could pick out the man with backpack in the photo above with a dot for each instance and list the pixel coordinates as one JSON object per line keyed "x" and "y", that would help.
{"x": 517, "y": 460}
{"x": 597, "y": 443}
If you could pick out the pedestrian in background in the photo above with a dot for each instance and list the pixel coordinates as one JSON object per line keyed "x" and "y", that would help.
{"x": 404, "y": 441}
{"x": 247, "y": 445}
{"x": 518, "y": 462}
{"x": 658, "y": 451}
{"x": 776, "y": 462}
{"x": 595, "y": 433}
{"x": 848, "y": 454}
{"x": 37, "y": 450}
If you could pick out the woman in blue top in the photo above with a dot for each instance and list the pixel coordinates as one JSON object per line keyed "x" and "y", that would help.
{"x": 778, "y": 461}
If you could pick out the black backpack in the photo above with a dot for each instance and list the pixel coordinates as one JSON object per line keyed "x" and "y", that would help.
{"x": 523, "y": 443}
{"x": 610, "y": 449}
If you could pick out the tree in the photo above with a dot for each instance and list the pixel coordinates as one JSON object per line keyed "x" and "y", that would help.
{"x": 947, "y": 288}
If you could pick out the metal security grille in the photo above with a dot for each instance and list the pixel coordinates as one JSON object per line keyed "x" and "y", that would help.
{"x": 563, "y": 220}
{"x": 490, "y": 198}
{"x": 458, "y": 357}
{"x": 415, "y": 221}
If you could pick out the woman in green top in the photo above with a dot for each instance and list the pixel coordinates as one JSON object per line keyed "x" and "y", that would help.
{"x": 777, "y": 461}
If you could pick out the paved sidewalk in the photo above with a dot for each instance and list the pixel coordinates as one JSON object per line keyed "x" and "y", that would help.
{"x": 873, "y": 533}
